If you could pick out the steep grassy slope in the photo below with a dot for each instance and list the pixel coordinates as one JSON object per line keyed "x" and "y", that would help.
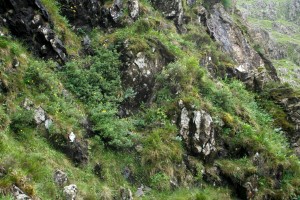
{"x": 144, "y": 147}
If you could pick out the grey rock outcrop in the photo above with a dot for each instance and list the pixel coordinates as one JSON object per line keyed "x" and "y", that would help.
{"x": 70, "y": 192}
{"x": 289, "y": 100}
{"x": 293, "y": 13}
{"x": 30, "y": 21}
{"x": 60, "y": 178}
{"x": 252, "y": 68}
{"x": 270, "y": 9}
{"x": 134, "y": 9}
{"x": 19, "y": 194}
{"x": 140, "y": 69}
{"x": 171, "y": 9}
{"x": 87, "y": 14}
{"x": 73, "y": 146}
{"x": 197, "y": 131}
{"x": 39, "y": 115}
{"x": 273, "y": 49}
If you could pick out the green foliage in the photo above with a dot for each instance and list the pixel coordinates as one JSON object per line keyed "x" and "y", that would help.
{"x": 226, "y": 3}
{"x": 4, "y": 119}
{"x": 161, "y": 150}
{"x": 238, "y": 169}
{"x": 160, "y": 181}
{"x": 35, "y": 79}
{"x": 21, "y": 119}
{"x": 95, "y": 83}
{"x": 115, "y": 131}
{"x": 95, "y": 78}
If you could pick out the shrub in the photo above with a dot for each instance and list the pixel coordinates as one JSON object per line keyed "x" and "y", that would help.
{"x": 4, "y": 119}
{"x": 33, "y": 78}
{"x": 160, "y": 181}
{"x": 95, "y": 78}
{"x": 116, "y": 132}
{"x": 22, "y": 119}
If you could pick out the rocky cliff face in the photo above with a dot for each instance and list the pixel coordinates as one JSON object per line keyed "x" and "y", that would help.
{"x": 277, "y": 31}
{"x": 30, "y": 21}
{"x": 251, "y": 67}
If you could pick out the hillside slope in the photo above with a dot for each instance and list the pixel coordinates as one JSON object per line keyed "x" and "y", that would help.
{"x": 275, "y": 25}
{"x": 141, "y": 99}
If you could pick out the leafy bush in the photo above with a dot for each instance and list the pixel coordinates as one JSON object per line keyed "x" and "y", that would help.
{"x": 95, "y": 78}
{"x": 160, "y": 181}
{"x": 35, "y": 78}
{"x": 116, "y": 132}
{"x": 22, "y": 119}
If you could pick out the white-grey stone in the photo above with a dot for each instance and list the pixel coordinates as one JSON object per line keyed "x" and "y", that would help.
{"x": 197, "y": 131}
{"x": 19, "y": 194}
{"x": 60, "y": 177}
{"x": 39, "y": 115}
{"x": 72, "y": 137}
{"x": 133, "y": 7}
{"x": 27, "y": 104}
{"x": 48, "y": 123}
{"x": 70, "y": 192}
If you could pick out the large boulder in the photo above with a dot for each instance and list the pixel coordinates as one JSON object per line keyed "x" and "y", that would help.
{"x": 197, "y": 131}
{"x": 171, "y": 9}
{"x": 133, "y": 8}
{"x": 30, "y": 21}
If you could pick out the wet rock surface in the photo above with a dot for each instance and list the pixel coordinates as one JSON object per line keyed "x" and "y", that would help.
{"x": 252, "y": 69}
{"x": 31, "y": 22}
